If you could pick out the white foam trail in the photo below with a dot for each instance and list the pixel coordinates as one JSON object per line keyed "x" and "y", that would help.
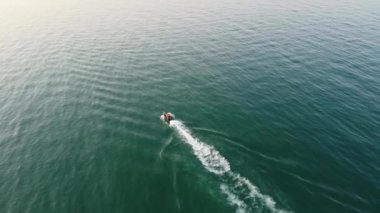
{"x": 234, "y": 199}
{"x": 243, "y": 186}
{"x": 240, "y": 192}
{"x": 208, "y": 155}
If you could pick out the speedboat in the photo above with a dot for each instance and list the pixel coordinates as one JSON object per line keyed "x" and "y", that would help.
{"x": 167, "y": 117}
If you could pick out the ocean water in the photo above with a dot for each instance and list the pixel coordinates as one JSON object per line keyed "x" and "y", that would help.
{"x": 277, "y": 106}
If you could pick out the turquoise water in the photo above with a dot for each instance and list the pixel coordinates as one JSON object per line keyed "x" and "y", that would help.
{"x": 277, "y": 106}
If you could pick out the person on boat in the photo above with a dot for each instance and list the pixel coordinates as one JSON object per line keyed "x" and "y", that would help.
{"x": 167, "y": 117}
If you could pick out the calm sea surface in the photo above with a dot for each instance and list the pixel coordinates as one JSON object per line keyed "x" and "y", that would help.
{"x": 277, "y": 106}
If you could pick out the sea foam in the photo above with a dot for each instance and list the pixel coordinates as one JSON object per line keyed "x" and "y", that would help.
{"x": 240, "y": 192}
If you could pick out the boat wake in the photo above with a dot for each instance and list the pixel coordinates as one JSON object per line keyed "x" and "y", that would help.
{"x": 211, "y": 159}
{"x": 240, "y": 192}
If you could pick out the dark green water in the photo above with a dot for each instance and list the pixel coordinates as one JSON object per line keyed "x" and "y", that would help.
{"x": 278, "y": 106}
